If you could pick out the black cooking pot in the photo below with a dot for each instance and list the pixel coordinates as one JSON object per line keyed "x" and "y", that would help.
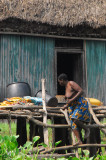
{"x": 18, "y": 89}
{"x": 50, "y": 101}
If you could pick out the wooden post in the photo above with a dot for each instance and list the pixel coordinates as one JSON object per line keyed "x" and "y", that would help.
{"x": 53, "y": 133}
{"x": 21, "y": 131}
{"x": 9, "y": 123}
{"x": 45, "y": 129}
{"x": 68, "y": 121}
{"x": 36, "y": 130}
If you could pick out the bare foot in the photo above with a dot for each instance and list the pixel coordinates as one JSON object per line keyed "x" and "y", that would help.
{"x": 78, "y": 143}
{"x": 87, "y": 132}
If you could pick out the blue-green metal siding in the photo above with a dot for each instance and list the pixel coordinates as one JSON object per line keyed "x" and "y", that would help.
{"x": 28, "y": 59}
{"x": 96, "y": 69}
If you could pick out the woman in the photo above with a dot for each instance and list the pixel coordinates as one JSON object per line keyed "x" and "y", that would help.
{"x": 77, "y": 106}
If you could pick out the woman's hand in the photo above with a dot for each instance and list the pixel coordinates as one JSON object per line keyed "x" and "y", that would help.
{"x": 64, "y": 107}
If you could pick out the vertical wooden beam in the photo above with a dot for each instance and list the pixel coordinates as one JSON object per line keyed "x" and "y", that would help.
{"x": 21, "y": 131}
{"x": 53, "y": 133}
{"x": 68, "y": 121}
{"x": 85, "y": 68}
{"x": 45, "y": 129}
{"x": 9, "y": 123}
{"x": 32, "y": 130}
{"x": 36, "y": 130}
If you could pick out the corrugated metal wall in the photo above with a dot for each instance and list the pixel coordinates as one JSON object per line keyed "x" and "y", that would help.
{"x": 28, "y": 59}
{"x": 96, "y": 69}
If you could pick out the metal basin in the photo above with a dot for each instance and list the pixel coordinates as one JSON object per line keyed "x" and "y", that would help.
{"x": 50, "y": 101}
{"x": 18, "y": 89}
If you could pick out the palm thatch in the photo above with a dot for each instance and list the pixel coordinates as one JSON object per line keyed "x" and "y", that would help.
{"x": 56, "y": 12}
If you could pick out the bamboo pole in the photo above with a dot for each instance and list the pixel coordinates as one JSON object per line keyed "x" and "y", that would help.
{"x": 48, "y": 125}
{"x": 22, "y": 107}
{"x": 73, "y": 147}
{"x": 36, "y": 121}
{"x": 45, "y": 129}
{"x": 99, "y": 108}
{"x": 101, "y": 112}
{"x": 50, "y": 109}
{"x": 52, "y": 156}
{"x": 39, "y": 156}
{"x": 101, "y": 115}
{"x": 39, "y": 113}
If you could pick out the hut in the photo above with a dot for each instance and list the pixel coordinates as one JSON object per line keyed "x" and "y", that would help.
{"x": 43, "y": 38}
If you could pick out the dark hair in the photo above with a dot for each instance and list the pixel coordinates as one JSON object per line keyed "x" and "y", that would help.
{"x": 63, "y": 76}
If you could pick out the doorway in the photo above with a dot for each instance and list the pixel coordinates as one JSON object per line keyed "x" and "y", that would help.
{"x": 70, "y": 63}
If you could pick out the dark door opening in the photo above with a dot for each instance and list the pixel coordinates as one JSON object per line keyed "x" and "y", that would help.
{"x": 72, "y": 65}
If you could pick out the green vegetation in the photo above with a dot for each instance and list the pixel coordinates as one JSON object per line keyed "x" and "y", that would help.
{"x": 9, "y": 150}
{"x": 4, "y": 128}
{"x": 9, "y": 147}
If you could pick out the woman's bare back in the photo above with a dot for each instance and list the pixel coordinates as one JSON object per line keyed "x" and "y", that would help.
{"x": 72, "y": 89}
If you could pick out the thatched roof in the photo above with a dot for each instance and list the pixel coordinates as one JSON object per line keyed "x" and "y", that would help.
{"x": 56, "y": 12}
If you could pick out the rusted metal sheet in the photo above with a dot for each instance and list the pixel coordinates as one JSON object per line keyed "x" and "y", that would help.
{"x": 96, "y": 69}
{"x": 28, "y": 59}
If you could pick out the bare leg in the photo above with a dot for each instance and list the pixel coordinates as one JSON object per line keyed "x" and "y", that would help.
{"x": 82, "y": 125}
{"x": 76, "y": 132}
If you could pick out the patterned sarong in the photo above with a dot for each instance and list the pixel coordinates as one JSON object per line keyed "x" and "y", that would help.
{"x": 79, "y": 110}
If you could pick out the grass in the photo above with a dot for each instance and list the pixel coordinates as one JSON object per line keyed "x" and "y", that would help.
{"x": 4, "y": 130}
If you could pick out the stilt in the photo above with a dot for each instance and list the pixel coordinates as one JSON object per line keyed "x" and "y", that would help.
{"x": 21, "y": 131}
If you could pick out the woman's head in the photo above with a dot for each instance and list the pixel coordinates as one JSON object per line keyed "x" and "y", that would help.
{"x": 62, "y": 79}
{"x": 63, "y": 76}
